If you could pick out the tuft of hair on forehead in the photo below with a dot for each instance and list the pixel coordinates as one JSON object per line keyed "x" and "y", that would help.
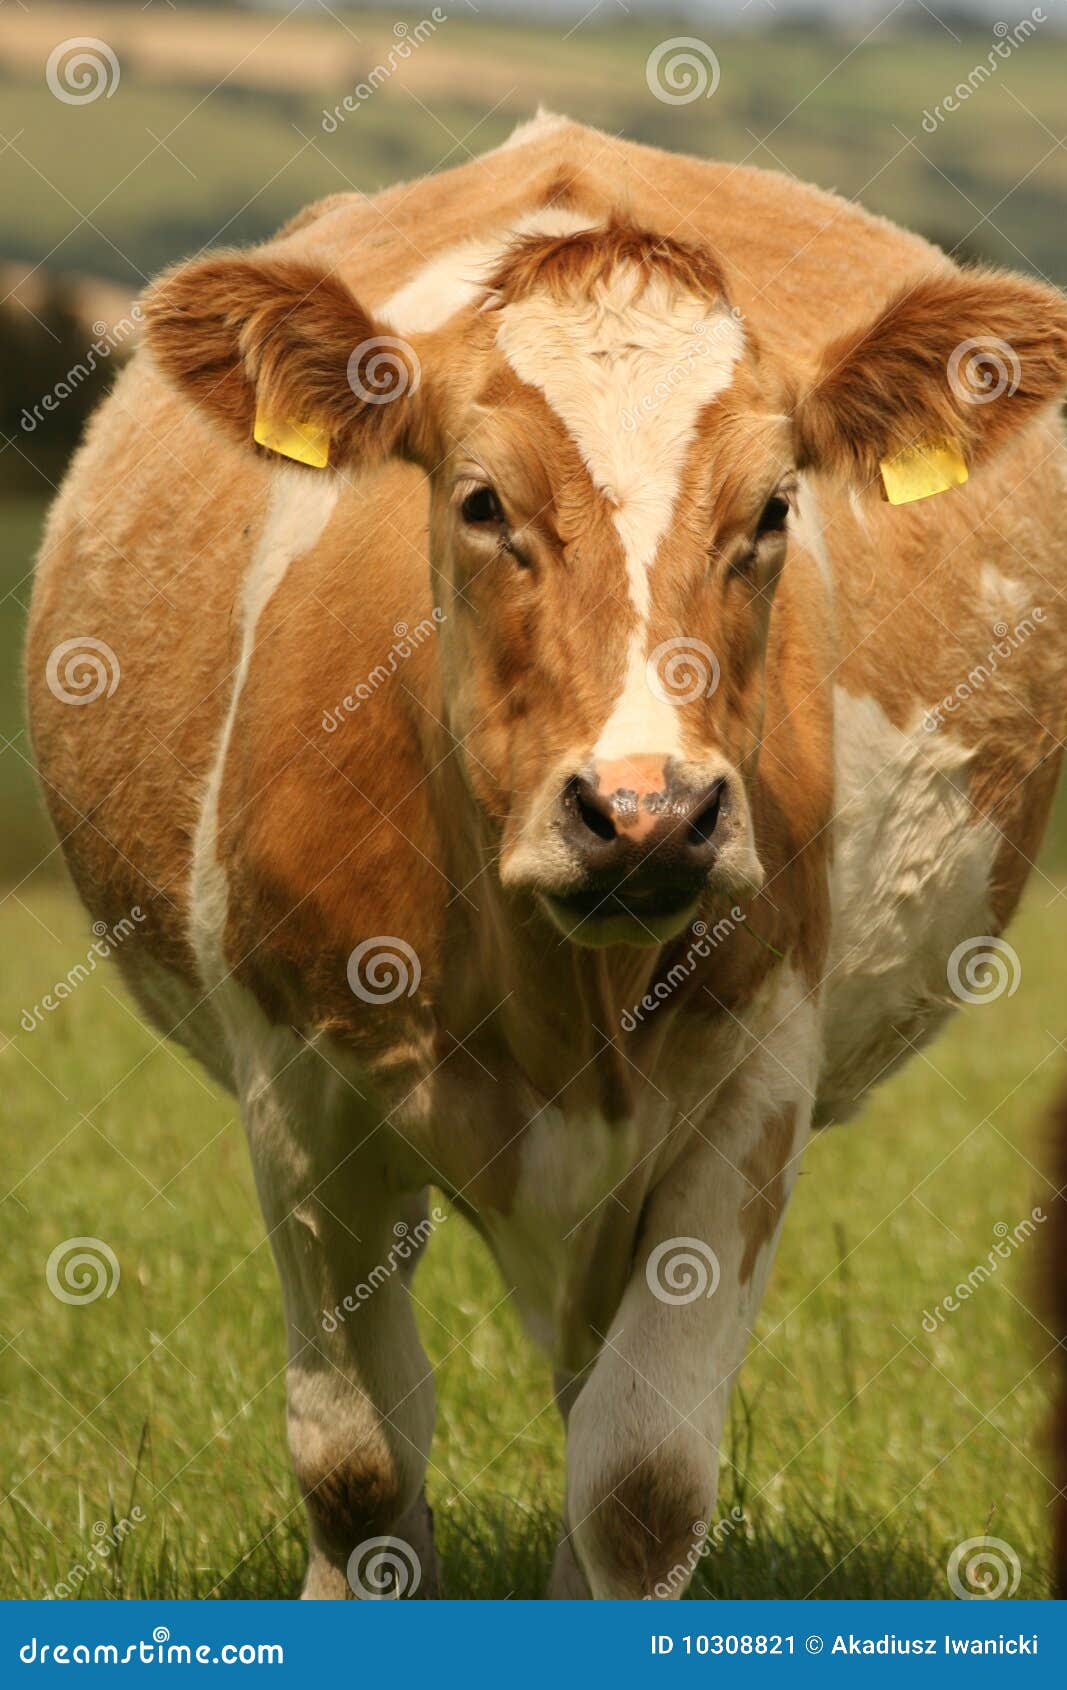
{"x": 575, "y": 264}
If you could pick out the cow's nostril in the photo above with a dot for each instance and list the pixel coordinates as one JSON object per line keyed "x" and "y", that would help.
{"x": 703, "y": 823}
{"x": 589, "y": 810}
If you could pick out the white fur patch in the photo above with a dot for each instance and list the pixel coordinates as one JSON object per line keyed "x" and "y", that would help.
{"x": 1002, "y": 595}
{"x": 628, "y": 372}
{"x": 808, "y": 529}
{"x": 568, "y": 1164}
{"x": 911, "y": 874}
{"x": 298, "y": 510}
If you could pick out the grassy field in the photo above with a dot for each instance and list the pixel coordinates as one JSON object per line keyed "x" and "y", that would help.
{"x": 862, "y": 1448}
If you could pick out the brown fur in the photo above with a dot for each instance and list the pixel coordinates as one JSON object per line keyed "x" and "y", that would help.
{"x": 188, "y": 512}
{"x": 357, "y": 1495}
{"x": 887, "y": 386}
{"x": 649, "y": 1522}
{"x": 235, "y": 332}
{"x": 570, "y": 265}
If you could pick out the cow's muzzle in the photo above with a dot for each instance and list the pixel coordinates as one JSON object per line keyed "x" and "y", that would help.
{"x": 645, "y": 836}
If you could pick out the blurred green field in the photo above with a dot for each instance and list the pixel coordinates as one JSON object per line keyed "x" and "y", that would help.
{"x": 214, "y": 132}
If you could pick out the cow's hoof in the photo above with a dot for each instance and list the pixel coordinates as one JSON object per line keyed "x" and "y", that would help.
{"x": 402, "y": 1563}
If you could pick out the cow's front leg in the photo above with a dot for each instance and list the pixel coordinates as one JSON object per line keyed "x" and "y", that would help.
{"x": 644, "y": 1430}
{"x": 359, "y": 1386}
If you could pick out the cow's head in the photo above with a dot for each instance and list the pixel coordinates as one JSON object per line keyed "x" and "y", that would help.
{"x": 612, "y": 462}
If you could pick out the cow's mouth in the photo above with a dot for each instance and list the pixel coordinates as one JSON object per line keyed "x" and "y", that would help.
{"x": 622, "y": 917}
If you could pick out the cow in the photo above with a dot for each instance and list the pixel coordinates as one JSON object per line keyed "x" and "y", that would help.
{"x": 493, "y": 635}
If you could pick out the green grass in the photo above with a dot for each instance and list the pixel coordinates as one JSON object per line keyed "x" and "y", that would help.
{"x": 861, "y": 1449}
{"x": 26, "y": 836}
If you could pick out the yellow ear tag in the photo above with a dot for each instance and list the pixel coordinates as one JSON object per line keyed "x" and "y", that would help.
{"x": 933, "y": 466}
{"x": 305, "y": 442}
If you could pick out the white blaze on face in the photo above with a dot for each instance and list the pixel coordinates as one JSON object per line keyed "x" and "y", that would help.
{"x": 628, "y": 372}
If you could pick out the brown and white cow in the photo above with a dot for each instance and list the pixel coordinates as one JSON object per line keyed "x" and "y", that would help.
{"x": 594, "y": 684}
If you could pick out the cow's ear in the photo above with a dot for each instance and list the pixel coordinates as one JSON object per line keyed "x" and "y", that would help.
{"x": 249, "y": 337}
{"x": 963, "y": 356}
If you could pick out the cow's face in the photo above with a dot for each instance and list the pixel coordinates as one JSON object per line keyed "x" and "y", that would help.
{"x": 612, "y": 466}
{"x": 610, "y": 513}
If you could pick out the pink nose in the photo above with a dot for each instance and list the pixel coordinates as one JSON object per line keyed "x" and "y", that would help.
{"x": 626, "y": 810}
{"x": 632, "y": 793}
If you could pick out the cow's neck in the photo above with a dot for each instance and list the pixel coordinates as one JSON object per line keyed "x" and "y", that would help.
{"x": 559, "y": 1008}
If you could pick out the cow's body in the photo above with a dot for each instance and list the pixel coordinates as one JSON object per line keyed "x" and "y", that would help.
{"x": 577, "y": 1126}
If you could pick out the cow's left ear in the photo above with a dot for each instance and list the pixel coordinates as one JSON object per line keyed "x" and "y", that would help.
{"x": 959, "y": 356}
{"x": 249, "y": 337}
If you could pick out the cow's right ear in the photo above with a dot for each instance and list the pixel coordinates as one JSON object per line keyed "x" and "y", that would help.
{"x": 246, "y": 336}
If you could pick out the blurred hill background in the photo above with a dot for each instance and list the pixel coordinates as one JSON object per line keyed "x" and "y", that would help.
{"x": 213, "y": 125}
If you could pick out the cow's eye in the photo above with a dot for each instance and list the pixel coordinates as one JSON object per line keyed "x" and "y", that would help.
{"x": 480, "y": 506}
{"x": 774, "y": 516}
